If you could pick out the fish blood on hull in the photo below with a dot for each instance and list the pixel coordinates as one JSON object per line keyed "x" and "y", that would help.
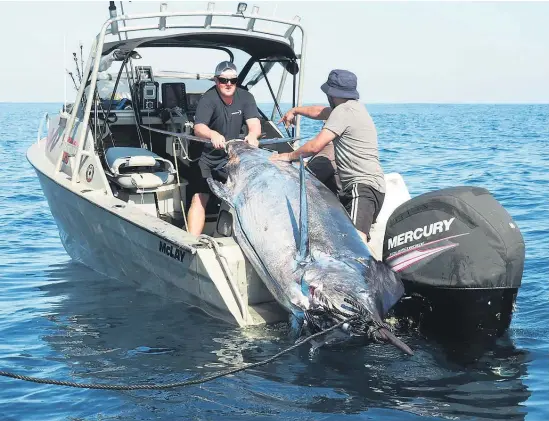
{"x": 305, "y": 248}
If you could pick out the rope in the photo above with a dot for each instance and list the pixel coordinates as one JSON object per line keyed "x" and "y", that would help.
{"x": 179, "y": 187}
{"x": 178, "y": 384}
{"x": 212, "y": 242}
{"x": 185, "y": 150}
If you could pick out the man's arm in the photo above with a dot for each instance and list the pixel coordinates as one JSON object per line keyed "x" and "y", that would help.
{"x": 315, "y": 112}
{"x": 201, "y": 130}
{"x": 251, "y": 116}
{"x": 254, "y": 131}
{"x": 310, "y": 148}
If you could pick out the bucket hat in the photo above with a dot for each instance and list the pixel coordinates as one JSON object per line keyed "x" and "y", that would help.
{"x": 341, "y": 84}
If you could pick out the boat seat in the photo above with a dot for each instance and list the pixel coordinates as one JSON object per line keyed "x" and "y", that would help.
{"x": 138, "y": 168}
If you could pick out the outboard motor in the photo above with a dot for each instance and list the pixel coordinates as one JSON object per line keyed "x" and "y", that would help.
{"x": 461, "y": 257}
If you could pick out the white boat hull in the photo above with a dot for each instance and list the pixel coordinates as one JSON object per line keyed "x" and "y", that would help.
{"x": 117, "y": 239}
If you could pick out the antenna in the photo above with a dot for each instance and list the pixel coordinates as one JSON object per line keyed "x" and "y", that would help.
{"x": 64, "y": 77}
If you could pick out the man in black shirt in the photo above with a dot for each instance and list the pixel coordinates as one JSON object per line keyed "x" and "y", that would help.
{"x": 220, "y": 116}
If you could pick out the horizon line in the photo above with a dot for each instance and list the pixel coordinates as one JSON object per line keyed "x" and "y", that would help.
{"x": 321, "y": 102}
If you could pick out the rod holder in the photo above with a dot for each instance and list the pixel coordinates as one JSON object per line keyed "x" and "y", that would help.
{"x": 162, "y": 20}
{"x": 208, "y": 20}
{"x": 113, "y": 14}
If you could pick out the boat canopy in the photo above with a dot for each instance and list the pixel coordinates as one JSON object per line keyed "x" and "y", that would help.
{"x": 257, "y": 47}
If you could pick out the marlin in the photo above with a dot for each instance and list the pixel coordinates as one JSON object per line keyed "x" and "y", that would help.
{"x": 305, "y": 248}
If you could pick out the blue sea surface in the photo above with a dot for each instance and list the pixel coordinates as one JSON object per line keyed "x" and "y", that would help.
{"x": 62, "y": 320}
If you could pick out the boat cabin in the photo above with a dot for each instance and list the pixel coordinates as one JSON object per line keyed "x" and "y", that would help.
{"x": 141, "y": 114}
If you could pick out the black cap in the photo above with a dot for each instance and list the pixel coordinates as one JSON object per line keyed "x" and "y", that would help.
{"x": 225, "y": 65}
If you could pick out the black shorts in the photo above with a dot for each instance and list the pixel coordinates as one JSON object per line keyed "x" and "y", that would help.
{"x": 362, "y": 203}
{"x": 210, "y": 166}
{"x": 323, "y": 166}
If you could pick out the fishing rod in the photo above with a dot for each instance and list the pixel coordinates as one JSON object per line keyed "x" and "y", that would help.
{"x": 77, "y": 68}
{"x": 73, "y": 81}
{"x": 81, "y": 59}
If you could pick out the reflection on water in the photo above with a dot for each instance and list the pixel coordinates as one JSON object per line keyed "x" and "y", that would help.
{"x": 106, "y": 332}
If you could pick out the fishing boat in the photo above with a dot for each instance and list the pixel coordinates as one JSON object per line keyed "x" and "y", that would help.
{"x": 116, "y": 168}
{"x": 116, "y": 164}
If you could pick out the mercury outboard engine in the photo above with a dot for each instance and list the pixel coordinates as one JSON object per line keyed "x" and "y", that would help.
{"x": 461, "y": 258}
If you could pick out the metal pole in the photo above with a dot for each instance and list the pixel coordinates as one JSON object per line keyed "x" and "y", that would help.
{"x": 76, "y": 106}
{"x": 280, "y": 89}
{"x": 93, "y": 83}
{"x": 301, "y": 80}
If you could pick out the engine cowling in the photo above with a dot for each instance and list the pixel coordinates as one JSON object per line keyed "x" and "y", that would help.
{"x": 460, "y": 256}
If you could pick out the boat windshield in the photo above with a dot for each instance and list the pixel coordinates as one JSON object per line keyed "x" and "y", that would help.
{"x": 195, "y": 66}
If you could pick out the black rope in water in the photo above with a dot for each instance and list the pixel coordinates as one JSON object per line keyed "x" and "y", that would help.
{"x": 178, "y": 384}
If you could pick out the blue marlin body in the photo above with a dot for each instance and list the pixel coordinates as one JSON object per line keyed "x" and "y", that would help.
{"x": 305, "y": 248}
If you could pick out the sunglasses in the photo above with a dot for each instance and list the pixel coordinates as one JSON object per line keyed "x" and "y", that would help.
{"x": 225, "y": 80}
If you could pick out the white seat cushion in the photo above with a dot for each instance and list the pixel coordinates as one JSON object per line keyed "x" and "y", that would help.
{"x": 122, "y": 159}
{"x": 144, "y": 180}
{"x": 138, "y": 168}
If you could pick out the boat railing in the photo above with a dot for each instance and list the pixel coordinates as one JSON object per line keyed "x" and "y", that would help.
{"x": 248, "y": 22}
{"x": 44, "y": 120}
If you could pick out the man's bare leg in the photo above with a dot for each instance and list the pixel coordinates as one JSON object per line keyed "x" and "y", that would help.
{"x": 197, "y": 213}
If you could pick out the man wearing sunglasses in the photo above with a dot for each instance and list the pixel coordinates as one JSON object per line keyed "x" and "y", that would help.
{"x": 349, "y": 125}
{"x": 221, "y": 114}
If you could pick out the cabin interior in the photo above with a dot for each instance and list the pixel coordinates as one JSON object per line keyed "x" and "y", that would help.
{"x": 138, "y": 107}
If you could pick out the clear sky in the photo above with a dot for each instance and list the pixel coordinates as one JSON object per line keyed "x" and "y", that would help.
{"x": 446, "y": 52}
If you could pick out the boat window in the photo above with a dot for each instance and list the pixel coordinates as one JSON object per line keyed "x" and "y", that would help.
{"x": 105, "y": 88}
{"x": 192, "y": 60}
{"x": 255, "y": 74}
{"x": 258, "y": 86}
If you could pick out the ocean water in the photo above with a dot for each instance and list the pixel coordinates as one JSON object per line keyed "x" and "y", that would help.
{"x": 59, "y": 319}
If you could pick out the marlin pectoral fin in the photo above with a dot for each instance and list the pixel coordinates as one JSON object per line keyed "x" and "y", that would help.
{"x": 385, "y": 284}
{"x": 221, "y": 191}
{"x": 303, "y": 245}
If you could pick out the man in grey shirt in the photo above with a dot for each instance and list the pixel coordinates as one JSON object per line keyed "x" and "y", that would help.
{"x": 350, "y": 127}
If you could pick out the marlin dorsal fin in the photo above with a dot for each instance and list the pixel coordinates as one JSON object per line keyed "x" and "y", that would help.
{"x": 303, "y": 215}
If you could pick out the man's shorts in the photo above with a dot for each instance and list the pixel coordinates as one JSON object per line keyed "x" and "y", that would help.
{"x": 363, "y": 204}
{"x": 210, "y": 166}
